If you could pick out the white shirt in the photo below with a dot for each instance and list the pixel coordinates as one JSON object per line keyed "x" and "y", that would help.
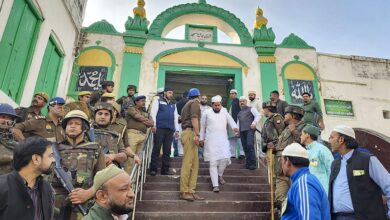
{"x": 215, "y": 135}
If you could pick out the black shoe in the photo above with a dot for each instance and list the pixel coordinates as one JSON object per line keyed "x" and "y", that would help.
{"x": 165, "y": 173}
{"x": 153, "y": 173}
{"x": 253, "y": 167}
{"x": 241, "y": 157}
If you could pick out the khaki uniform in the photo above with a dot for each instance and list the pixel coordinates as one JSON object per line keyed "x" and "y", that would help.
{"x": 272, "y": 128}
{"x": 6, "y": 155}
{"x": 82, "y": 161}
{"x": 44, "y": 127}
{"x": 26, "y": 114}
{"x": 110, "y": 140}
{"x": 282, "y": 182}
{"x": 138, "y": 122}
{"x": 190, "y": 164}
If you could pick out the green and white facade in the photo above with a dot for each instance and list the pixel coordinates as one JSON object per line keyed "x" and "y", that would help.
{"x": 37, "y": 41}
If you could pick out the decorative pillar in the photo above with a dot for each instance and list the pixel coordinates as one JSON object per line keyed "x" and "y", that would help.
{"x": 135, "y": 39}
{"x": 265, "y": 47}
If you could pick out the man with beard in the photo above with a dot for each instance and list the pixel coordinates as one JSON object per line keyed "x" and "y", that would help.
{"x": 113, "y": 195}
{"x": 82, "y": 159}
{"x": 213, "y": 135}
{"x": 39, "y": 101}
{"x": 127, "y": 101}
{"x": 203, "y": 104}
{"x": 291, "y": 134}
{"x": 280, "y": 104}
{"x": 7, "y": 141}
{"x": 48, "y": 127}
{"x": 24, "y": 193}
{"x": 253, "y": 101}
{"x": 247, "y": 119}
{"x": 110, "y": 140}
{"x": 165, "y": 117}
{"x": 235, "y": 143}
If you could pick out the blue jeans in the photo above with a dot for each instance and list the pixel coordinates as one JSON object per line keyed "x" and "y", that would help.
{"x": 248, "y": 140}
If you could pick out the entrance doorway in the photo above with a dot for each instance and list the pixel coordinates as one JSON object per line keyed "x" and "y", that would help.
{"x": 208, "y": 85}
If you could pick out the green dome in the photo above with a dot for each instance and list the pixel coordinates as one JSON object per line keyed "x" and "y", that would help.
{"x": 101, "y": 27}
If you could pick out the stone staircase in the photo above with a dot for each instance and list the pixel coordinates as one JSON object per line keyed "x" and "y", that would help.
{"x": 246, "y": 195}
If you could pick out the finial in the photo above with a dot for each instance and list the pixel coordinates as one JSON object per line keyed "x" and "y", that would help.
{"x": 202, "y": 2}
{"x": 140, "y": 10}
{"x": 260, "y": 19}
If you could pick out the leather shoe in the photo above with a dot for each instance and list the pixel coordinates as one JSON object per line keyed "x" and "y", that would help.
{"x": 221, "y": 180}
{"x": 197, "y": 197}
{"x": 187, "y": 196}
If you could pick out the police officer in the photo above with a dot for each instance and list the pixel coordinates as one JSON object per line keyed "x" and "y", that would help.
{"x": 81, "y": 159}
{"x": 7, "y": 142}
{"x": 84, "y": 96}
{"x": 39, "y": 101}
{"x": 48, "y": 127}
{"x": 291, "y": 134}
{"x": 108, "y": 97}
{"x": 119, "y": 124}
{"x": 272, "y": 128}
{"x": 127, "y": 101}
{"x": 107, "y": 86}
{"x": 110, "y": 140}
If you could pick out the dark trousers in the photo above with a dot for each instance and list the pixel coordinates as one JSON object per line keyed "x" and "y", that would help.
{"x": 343, "y": 216}
{"x": 247, "y": 141}
{"x": 162, "y": 137}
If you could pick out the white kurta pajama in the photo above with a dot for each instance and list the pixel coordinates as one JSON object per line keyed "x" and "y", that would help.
{"x": 216, "y": 144}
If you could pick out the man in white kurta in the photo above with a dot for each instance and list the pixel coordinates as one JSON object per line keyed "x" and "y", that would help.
{"x": 214, "y": 136}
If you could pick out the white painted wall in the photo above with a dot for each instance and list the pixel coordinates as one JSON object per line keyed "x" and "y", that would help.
{"x": 59, "y": 23}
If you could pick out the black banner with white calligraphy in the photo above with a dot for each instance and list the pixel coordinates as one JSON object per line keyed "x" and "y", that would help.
{"x": 297, "y": 87}
{"x": 91, "y": 77}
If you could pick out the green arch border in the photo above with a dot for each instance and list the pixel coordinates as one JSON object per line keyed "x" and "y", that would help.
{"x": 285, "y": 83}
{"x": 75, "y": 70}
{"x": 163, "y": 19}
{"x": 177, "y": 50}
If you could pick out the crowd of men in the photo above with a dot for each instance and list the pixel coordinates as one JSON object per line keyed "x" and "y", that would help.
{"x": 74, "y": 163}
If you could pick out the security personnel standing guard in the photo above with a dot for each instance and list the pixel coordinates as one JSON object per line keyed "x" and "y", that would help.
{"x": 127, "y": 101}
{"x": 110, "y": 140}
{"x": 292, "y": 133}
{"x": 272, "y": 128}
{"x": 190, "y": 116}
{"x": 107, "y": 86}
{"x": 48, "y": 127}
{"x": 7, "y": 142}
{"x": 39, "y": 101}
{"x": 81, "y": 159}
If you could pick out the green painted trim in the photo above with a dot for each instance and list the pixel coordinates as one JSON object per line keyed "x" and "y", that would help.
{"x": 213, "y": 28}
{"x": 35, "y": 10}
{"x": 212, "y": 71}
{"x": 315, "y": 81}
{"x": 131, "y": 69}
{"x": 101, "y": 27}
{"x": 57, "y": 45}
{"x": 29, "y": 56}
{"x": 76, "y": 69}
{"x": 163, "y": 19}
{"x": 176, "y": 50}
{"x": 293, "y": 41}
{"x": 188, "y": 41}
{"x": 269, "y": 80}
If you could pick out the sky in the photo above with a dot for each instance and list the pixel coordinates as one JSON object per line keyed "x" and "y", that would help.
{"x": 347, "y": 27}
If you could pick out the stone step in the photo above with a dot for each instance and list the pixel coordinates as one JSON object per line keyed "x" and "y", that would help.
{"x": 233, "y": 160}
{"x": 203, "y": 216}
{"x": 210, "y": 196}
{"x": 229, "y": 172}
{"x": 207, "y": 179}
{"x": 230, "y": 187}
{"x": 205, "y": 165}
{"x": 202, "y": 206}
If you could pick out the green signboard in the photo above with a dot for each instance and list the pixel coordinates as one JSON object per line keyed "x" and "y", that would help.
{"x": 338, "y": 107}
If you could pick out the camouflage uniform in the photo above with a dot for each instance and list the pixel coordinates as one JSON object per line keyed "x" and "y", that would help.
{"x": 286, "y": 137}
{"x": 44, "y": 127}
{"x": 125, "y": 102}
{"x": 6, "y": 154}
{"x": 272, "y": 128}
{"x": 81, "y": 161}
{"x": 110, "y": 140}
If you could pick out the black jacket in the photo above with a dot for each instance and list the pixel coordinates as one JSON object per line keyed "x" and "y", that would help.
{"x": 16, "y": 203}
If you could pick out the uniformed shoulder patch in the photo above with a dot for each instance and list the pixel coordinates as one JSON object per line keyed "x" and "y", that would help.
{"x": 40, "y": 117}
